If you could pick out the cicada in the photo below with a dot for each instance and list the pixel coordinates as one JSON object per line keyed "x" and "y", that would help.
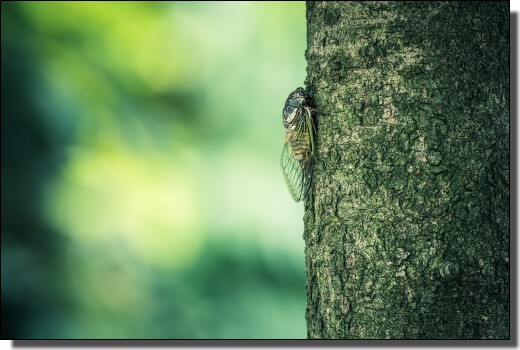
{"x": 298, "y": 150}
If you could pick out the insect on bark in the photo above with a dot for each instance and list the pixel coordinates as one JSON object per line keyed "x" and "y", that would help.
{"x": 298, "y": 150}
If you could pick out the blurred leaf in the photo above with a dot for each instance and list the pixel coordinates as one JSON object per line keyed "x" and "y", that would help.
{"x": 140, "y": 169}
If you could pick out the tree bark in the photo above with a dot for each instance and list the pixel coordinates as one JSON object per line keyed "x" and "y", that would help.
{"x": 407, "y": 223}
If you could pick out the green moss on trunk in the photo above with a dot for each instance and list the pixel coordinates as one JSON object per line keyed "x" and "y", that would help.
{"x": 407, "y": 226}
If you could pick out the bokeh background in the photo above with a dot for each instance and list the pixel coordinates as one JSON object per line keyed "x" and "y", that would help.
{"x": 141, "y": 192}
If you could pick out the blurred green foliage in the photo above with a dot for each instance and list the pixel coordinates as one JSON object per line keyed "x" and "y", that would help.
{"x": 141, "y": 190}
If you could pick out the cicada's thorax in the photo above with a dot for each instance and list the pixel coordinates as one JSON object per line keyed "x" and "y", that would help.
{"x": 293, "y": 109}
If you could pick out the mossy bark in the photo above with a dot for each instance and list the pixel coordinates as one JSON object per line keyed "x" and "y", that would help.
{"x": 407, "y": 223}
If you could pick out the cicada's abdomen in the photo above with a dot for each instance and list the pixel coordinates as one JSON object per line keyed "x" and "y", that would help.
{"x": 301, "y": 147}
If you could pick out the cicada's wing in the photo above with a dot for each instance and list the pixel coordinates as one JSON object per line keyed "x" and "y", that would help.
{"x": 292, "y": 172}
{"x": 298, "y": 172}
{"x": 308, "y": 172}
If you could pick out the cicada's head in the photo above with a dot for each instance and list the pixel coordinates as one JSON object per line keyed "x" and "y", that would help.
{"x": 297, "y": 100}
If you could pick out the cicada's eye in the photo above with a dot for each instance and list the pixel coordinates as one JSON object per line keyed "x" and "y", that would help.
{"x": 289, "y": 113}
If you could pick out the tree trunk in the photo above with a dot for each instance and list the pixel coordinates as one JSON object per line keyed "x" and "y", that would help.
{"x": 407, "y": 223}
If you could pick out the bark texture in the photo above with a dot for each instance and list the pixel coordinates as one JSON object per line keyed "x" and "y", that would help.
{"x": 407, "y": 225}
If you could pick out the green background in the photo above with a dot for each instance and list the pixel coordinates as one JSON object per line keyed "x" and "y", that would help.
{"x": 141, "y": 193}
